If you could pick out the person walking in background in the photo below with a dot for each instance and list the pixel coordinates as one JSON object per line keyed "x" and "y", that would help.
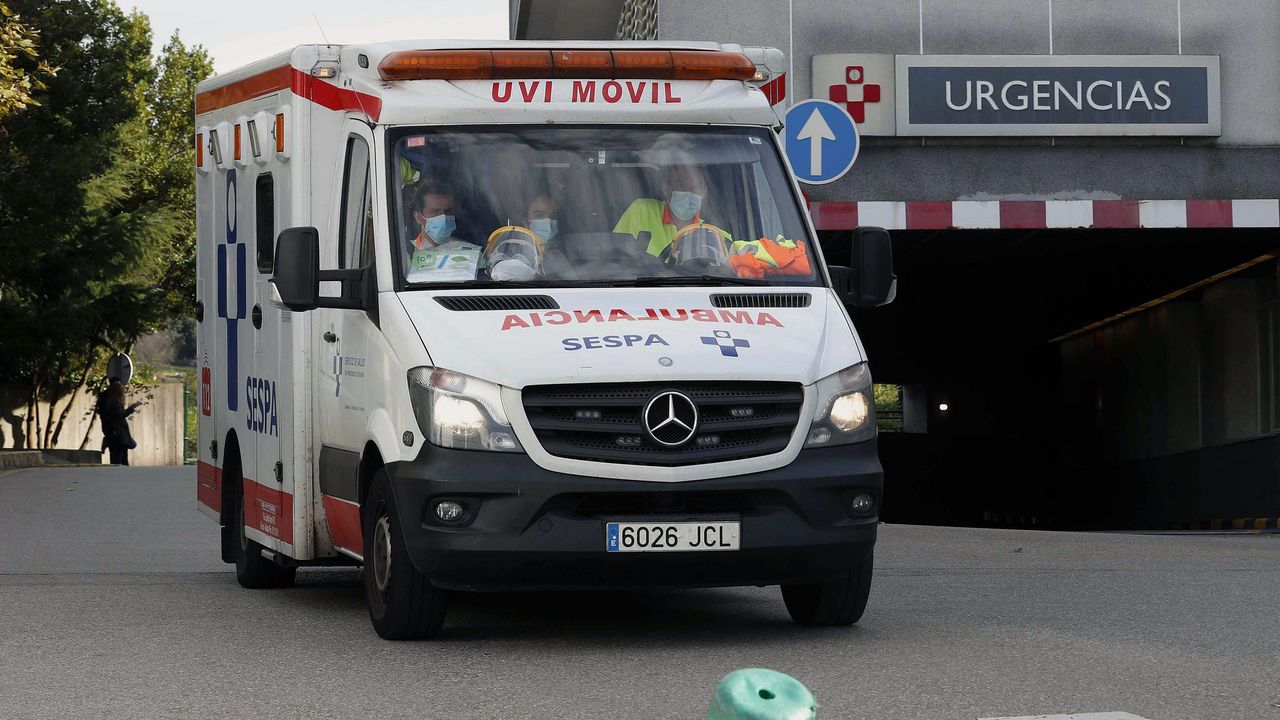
{"x": 115, "y": 423}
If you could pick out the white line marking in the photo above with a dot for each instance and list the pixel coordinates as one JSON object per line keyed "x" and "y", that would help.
{"x": 1074, "y": 716}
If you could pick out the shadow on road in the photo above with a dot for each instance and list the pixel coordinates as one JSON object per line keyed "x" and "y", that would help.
{"x": 681, "y": 616}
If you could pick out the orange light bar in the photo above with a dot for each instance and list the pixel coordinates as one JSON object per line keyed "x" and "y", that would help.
{"x": 199, "y": 149}
{"x": 505, "y": 64}
{"x": 583, "y": 63}
{"x": 702, "y": 65}
{"x": 521, "y": 63}
{"x": 437, "y": 65}
{"x": 236, "y": 142}
{"x": 654, "y": 64}
{"x": 279, "y": 132}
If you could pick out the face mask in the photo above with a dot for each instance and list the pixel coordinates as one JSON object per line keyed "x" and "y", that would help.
{"x": 685, "y": 205}
{"x": 545, "y": 228}
{"x": 511, "y": 269}
{"x": 440, "y": 228}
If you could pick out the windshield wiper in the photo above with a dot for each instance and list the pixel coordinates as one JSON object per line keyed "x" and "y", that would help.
{"x": 678, "y": 280}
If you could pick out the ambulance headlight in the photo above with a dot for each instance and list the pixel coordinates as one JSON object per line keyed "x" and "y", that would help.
{"x": 846, "y": 411}
{"x": 459, "y": 411}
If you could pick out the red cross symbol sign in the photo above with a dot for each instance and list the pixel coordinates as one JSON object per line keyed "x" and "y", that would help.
{"x": 854, "y": 94}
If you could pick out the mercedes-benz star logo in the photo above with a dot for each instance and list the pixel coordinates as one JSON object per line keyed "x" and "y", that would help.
{"x": 671, "y": 418}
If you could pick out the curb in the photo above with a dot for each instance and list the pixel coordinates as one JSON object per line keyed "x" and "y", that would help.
{"x": 22, "y": 459}
{"x": 15, "y": 459}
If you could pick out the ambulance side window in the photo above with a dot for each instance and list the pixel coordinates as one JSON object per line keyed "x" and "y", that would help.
{"x": 265, "y": 216}
{"x": 355, "y": 243}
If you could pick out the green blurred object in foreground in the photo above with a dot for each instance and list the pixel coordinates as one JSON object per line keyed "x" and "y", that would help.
{"x": 760, "y": 694}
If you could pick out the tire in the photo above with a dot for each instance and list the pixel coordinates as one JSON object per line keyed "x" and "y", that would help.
{"x": 403, "y": 604}
{"x": 837, "y": 602}
{"x": 252, "y": 570}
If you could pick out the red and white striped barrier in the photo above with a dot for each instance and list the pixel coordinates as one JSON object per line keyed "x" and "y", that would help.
{"x": 1037, "y": 214}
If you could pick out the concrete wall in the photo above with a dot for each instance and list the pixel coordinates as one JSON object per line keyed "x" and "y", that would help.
{"x": 156, "y": 425}
{"x": 1243, "y": 163}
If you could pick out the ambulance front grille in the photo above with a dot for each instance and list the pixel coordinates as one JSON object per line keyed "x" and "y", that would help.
{"x": 604, "y": 422}
{"x": 474, "y": 303}
{"x": 761, "y": 300}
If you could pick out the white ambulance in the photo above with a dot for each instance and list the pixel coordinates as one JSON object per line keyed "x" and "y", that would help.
{"x": 496, "y": 315}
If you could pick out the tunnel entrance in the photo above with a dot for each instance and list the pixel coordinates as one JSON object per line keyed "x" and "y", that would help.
{"x": 1083, "y": 378}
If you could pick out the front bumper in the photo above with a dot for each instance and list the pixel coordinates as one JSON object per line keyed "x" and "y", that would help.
{"x": 529, "y": 527}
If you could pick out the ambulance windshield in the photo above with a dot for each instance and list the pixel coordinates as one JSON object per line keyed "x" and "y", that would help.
{"x": 574, "y": 206}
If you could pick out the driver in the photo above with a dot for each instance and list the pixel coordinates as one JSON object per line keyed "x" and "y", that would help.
{"x": 683, "y": 188}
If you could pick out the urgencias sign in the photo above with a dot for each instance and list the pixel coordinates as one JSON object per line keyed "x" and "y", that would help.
{"x": 1058, "y": 95}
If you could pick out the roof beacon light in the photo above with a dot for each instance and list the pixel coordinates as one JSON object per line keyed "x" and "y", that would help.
{"x": 532, "y": 63}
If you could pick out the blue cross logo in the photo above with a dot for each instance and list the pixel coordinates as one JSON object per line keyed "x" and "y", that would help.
{"x": 727, "y": 343}
{"x": 232, "y": 257}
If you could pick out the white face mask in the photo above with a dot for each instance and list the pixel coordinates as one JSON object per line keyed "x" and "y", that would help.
{"x": 511, "y": 269}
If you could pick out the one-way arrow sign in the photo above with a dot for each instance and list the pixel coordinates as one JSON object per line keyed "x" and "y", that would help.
{"x": 815, "y": 130}
{"x": 821, "y": 141}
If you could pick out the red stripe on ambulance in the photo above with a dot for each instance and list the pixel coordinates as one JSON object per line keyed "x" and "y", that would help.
{"x": 263, "y": 83}
{"x": 344, "y": 524}
{"x": 209, "y": 485}
{"x": 268, "y": 510}
{"x": 335, "y": 98}
{"x": 300, "y": 83}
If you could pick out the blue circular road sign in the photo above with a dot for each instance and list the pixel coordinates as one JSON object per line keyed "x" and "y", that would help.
{"x": 821, "y": 141}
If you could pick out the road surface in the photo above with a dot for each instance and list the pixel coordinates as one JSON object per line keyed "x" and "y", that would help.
{"x": 114, "y": 604}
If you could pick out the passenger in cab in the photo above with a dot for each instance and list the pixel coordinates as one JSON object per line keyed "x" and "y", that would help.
{"x": 542, "y": 217}
{"x": 435, "y": 254}
{"x": 683, "y": 188}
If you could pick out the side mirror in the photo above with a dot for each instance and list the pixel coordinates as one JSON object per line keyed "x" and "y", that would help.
{"x": 875, "y": 283}
{"x": 870, "y": 281}
{"x": 298, "y": 275}
{"x": 297, "y": 272}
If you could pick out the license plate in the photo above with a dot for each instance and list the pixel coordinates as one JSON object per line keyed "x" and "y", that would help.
{"x": 671, "y": 537}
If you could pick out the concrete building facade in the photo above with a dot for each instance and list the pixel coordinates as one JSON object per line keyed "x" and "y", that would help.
{"x": 1097, "y": 311}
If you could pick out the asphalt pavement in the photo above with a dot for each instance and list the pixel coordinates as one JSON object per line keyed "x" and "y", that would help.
{"x": 114, "y": 604}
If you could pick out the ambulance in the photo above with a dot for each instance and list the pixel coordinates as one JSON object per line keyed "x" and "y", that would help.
{"x": 479, "y": 316}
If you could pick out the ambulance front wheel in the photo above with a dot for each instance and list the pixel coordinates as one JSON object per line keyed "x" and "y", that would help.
{"x": 839, "y": 601}
{"x": 403, "y": 604}
{"x": 254, "y": 571}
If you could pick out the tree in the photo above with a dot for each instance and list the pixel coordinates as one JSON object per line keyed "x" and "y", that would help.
{"x": 171, "y": 158}
{"x": 95, "y": 213}
{"x": 18, "y": 43}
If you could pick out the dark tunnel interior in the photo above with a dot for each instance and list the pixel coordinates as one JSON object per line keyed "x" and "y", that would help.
{"x": 981, "y": 325}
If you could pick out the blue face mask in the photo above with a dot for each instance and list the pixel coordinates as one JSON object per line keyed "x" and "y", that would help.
{"x": 685, "y": 205}
{"x": 545, "y": 228}
{"x": 439, "y": 228}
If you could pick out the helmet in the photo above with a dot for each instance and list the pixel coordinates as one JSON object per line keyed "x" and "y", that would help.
{"x": 699, "y": 246}
{"x": 514, "y": 252}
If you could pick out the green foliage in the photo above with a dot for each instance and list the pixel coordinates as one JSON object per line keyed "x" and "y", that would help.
{"x": 97, "y": 226}
{"x": 888, "y": 407}
{"x": 171, "y": 159}
{"x": 22, "y": 72}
